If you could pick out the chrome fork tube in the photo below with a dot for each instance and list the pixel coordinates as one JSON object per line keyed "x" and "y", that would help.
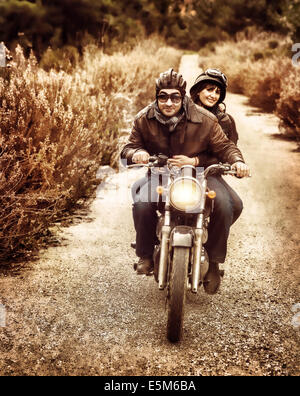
{"x": 196, "y": 265}
{"x": 197, "y": 255}
{"x": 164, "y": 248}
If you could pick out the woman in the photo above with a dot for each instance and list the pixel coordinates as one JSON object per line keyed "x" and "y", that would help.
{"x": 209, "y": 91}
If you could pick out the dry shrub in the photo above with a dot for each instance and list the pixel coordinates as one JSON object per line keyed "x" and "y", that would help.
{"x": 247, "y": 59}
{"x": 132, "y": 75}
{"x": 52, "y": 142}
{"x": 56, "y": 129}
{"x": 288, "y": 105}
{"x": 263, "y": 84}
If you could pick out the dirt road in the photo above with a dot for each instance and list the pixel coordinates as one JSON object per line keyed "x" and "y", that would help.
{"x": 81, "y": 309}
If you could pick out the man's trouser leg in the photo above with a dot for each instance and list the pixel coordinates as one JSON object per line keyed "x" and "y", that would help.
{"x": 145, "y": 220}
{"x": 145, "y": 215}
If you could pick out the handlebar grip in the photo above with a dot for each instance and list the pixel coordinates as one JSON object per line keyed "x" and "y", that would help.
{"x": 158, "y": 160}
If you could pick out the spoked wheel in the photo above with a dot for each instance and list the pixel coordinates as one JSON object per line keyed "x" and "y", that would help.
{"x": 177, "y": 292}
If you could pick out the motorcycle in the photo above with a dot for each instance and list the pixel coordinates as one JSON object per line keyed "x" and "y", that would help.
{"x": 180, "y": 259}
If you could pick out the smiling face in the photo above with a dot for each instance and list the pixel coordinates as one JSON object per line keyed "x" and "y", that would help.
{"x": 169, "y": 101}
{"x": 209, "y": 95}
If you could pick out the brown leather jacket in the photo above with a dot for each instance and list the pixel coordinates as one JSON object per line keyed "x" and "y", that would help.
{"x": 196, "y": 135}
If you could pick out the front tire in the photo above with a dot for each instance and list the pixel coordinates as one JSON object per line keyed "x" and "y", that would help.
{"x": 177, "y": 292}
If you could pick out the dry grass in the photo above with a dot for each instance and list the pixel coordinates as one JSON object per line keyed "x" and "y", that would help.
{"x": 57, "y": 128}
{"x": 288, "y": 105}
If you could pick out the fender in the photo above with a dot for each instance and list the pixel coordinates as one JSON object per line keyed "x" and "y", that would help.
{"x": 182, "y": 236}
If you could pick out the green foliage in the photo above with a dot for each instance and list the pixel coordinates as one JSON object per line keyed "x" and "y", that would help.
{"x": 58, "y": 23}
{"x": 189, "y": 24}
{"x": 219, "y": 20}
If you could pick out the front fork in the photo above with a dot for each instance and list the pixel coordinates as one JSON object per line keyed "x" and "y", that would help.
{"x": 197, "y": 274}
{"x": 164, "y": 249}
{"x": 198, "y": 254}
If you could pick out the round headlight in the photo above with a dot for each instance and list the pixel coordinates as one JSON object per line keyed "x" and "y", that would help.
{"x": 185, "y": 194}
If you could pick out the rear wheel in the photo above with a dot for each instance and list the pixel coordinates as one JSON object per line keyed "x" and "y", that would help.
{"x": 177, "y": 292}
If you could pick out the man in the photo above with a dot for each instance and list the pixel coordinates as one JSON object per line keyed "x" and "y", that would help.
{"x": 175, "y": 126}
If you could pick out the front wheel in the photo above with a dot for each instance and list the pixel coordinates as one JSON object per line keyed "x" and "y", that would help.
{"x": 177, "y": 292}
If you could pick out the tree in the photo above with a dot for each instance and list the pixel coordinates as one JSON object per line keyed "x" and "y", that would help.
{"x": 185, "y": 23}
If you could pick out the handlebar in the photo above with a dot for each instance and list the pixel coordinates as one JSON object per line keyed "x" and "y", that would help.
{"x": 225, "y": 169}
{"x": 161, "y": 160}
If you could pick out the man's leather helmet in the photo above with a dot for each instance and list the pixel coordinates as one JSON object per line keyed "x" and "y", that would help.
{"x": 170, "y": 80}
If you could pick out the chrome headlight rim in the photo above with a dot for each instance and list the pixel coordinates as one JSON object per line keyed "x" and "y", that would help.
{"x": 189, "y": 206}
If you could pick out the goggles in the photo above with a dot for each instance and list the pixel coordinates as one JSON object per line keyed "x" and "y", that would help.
{"x": 164, "y": 97}
{"x": 217, "y": 73}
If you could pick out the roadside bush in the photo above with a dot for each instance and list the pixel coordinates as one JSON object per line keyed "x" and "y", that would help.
{"x": 52, "y": 142}
{"x": 64, "y": 58}
{"x": 263, "y": 84}
{"x": 132, "y": 75}
{"x": 288, "y": 105}
{"x": 57, "y": 128}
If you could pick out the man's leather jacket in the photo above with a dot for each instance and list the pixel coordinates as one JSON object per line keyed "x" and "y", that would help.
{"x": 196, "y": 135}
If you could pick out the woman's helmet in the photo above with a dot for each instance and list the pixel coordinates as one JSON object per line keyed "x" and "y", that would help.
{"x": 213, "y": 76}
{"x": 171, "y": 80}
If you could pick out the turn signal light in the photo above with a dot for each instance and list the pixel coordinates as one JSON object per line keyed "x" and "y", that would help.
{"x": 160, "y": 190}
{"x": 211, "y": 194}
